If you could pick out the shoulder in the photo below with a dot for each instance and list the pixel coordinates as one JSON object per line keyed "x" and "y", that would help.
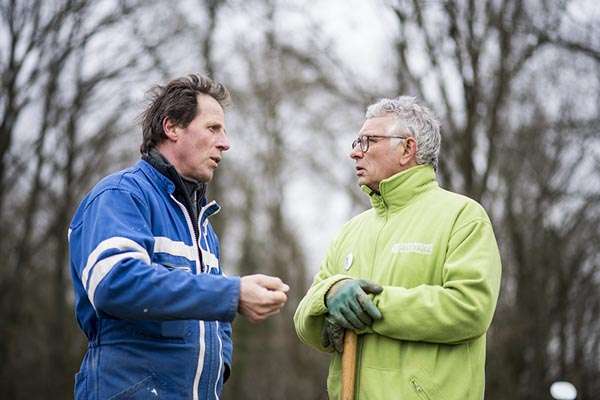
{"x": 355, "y": 224}
{"x": 452, "y": 210}
{"x": 129, "y": 182}
{"x": 461, "y": 203}
{"x": 140, "y": 181}
{"x": 463, "y": 210}
{"x": 359, "y": 219}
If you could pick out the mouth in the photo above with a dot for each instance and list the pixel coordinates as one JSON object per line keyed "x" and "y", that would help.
{"x": 359, "y": 170}
{"x": 217, "y": 160}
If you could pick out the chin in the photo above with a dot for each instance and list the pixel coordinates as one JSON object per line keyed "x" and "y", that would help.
{"x": 202, "y": 177}
{"x": 206, "y": 177}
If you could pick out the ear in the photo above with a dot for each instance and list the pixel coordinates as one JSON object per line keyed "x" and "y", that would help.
{"x": 170, "y": 129}
{"x": 409, "y": 150}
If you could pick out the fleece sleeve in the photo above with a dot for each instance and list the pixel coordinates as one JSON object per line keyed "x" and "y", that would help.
{"x": 310, "y": 314}
{"x": 112, "y": 250}
{"x": 458, "y": 310}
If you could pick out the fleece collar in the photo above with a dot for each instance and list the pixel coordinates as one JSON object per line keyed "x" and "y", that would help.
{"x": 400, "y": 189}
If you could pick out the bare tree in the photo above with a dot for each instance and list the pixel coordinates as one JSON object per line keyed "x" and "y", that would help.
{"x": 55, "y": 142}
{"x": 479, "y": 65}
{"x": 516, "y": 84}
{"x": 270, "y": 244}
{"x": 547, "y": 326}
{"x": 504, "y": 147}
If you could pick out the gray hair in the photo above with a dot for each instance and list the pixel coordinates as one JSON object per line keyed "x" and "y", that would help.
{"x": 418, "y": 119}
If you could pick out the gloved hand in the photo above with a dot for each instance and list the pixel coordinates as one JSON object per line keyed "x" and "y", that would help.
{"x": 348, "y": 303}
{"x": 332, "y": 335}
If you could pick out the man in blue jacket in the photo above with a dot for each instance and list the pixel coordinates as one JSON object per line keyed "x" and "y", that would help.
{"x": 150, "y": 293}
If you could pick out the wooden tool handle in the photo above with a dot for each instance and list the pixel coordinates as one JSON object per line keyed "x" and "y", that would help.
{"x": 348, "y": 365}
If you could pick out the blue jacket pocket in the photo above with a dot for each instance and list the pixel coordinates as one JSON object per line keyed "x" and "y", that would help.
{"x": 165, "y": 330}
{"x": 174, "y": 329}
{"x": 143, "y": 390}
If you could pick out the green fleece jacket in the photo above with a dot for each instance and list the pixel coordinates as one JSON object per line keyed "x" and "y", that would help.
{"x": 435, "y": 254}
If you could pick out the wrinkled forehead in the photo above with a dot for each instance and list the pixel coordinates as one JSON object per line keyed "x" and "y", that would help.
{"x": 380, "y": 125}
{"x": 208, "y": 106}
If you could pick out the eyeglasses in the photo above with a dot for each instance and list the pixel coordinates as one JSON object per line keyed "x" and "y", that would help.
{"x": 364, "y": 140}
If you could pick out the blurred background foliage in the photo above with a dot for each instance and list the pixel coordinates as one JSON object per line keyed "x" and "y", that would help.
{"x": 515, "y": 83}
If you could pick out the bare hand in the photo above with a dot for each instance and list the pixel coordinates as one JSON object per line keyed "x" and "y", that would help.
{"x": 261, "y": 296}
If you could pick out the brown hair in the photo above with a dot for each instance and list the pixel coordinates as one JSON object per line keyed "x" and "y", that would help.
{"x": 178, "y": 101}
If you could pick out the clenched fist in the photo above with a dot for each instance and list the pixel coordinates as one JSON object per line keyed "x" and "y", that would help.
{"x": 261, "y": 296}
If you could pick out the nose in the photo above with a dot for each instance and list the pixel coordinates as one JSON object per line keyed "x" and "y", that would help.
{"x": 223, "y": 142}
{"x": 356, "y": 153}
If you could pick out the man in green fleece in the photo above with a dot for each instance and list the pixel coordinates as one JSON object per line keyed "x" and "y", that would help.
{"x": 416, "y": 276}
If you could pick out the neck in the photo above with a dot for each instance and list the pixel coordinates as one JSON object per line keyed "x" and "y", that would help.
{"x": 412, "y": 163}
{"x": 167, "y": 153}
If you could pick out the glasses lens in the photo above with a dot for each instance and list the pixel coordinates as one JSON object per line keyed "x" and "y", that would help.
{"x": 364, "y": 143}
{"x": 354, "y": 143}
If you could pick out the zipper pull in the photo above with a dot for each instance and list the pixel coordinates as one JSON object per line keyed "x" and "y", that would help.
{"x": 418, "y": 388}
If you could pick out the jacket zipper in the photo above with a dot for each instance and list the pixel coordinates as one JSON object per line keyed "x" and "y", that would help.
{"x": 207, "y": 270}
{"x": 361, "y": 342}
{"x": 370, "y": 274}
{"x": 219, "y": 370}
{"x": 201, "y": 349}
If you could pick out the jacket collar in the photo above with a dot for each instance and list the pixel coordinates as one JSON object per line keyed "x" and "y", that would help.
{"x": 399, "y": 190}
{"x": 162, "y": 181}
{"x": 166, "y": 169}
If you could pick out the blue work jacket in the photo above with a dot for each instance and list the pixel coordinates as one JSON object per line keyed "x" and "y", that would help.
{"x": 149, "y": 295}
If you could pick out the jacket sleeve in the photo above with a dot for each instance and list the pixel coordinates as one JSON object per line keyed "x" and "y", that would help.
{"x": 310, "y": 314}
{"x": 112, "y": 250}
{"x": 458, "y": 310}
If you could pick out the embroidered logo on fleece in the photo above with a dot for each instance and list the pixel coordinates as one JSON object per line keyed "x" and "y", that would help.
{"x": 414, "y": 247}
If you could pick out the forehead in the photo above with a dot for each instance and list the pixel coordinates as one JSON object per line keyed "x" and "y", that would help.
{"x": 209, "y": 108}
{"x": 377, "y": 125}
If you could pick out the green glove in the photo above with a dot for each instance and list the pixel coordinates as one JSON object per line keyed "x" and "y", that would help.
{"x": 349, "y": 305}
{"x": 332, "y": 335}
